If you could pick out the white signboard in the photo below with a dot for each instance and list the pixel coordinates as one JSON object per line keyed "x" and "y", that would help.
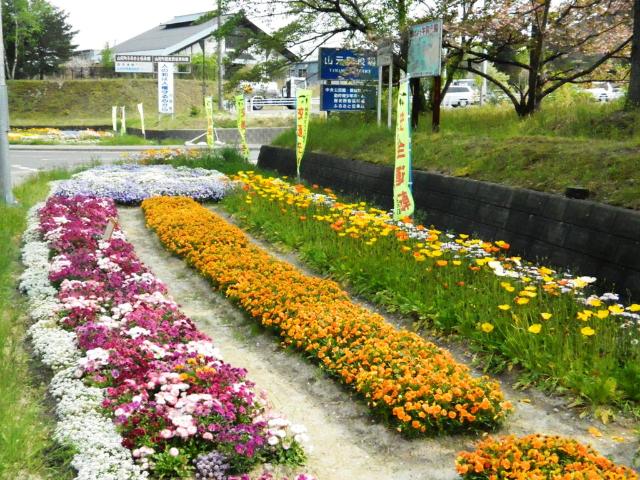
{"x": 134, "y": 67}
{"x": 165, "y": 88}
{"x": 425, "y": 50}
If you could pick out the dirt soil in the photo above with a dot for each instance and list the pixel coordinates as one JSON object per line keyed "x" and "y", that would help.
{"x": 347, "y": 443}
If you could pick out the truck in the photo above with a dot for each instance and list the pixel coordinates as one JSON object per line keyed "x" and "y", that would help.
{"x": 263, "y": 94}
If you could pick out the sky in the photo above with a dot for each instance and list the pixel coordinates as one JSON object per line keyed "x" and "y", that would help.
{"x": 115, "y": 21}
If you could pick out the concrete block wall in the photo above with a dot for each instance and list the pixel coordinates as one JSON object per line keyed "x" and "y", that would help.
{"x": 589, "y": 238}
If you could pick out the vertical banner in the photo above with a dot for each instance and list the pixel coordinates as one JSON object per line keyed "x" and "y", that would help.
{"x": 165, "y": 87}
{"x": 114, "y": 118}
{"x": 242, "y": 126}
{"x": 123, "y": 126}
{"x": 303, "y": 110}
{"x": 403, "y": 204}
{"x": 208, "y": 108}
{"x": 141, "y": 112}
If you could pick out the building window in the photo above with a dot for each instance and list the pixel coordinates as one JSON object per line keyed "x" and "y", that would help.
{"x": 302, "y": 72}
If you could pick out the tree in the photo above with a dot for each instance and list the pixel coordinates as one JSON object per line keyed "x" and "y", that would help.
{"x": 39, "y": 39}
{"x": 633, "y": 96}
{"x": 107, "y": 60}
{"x": 543, "y": 44}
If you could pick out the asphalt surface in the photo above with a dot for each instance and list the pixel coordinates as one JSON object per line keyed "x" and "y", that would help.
{"x": 27, "y": 160}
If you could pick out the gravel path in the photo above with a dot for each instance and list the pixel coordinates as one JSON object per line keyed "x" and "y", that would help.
{"x": 347, "y": 443}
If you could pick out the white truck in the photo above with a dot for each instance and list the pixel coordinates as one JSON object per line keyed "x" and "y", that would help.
{"x": 262, "y": 94}
{"x": 605, "y": 91}
{"x": 460, "y": 96}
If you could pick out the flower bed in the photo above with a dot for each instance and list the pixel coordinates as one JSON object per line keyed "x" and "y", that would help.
{"x": 530, "y": 315}
{"x": 412, "y": 383}
{"x": 140, "y": 390}
{"x": 54, "y": 135}
{"x": 538, "y": 457}
{"x": 130, "y": 184}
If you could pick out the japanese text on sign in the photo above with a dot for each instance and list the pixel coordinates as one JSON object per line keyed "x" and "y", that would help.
{"x": 342, "y": 64}
{"x": 403, "y": 204}
{"x": 347, "y": 98}
{"x": 303, "y": 110}
{"x": 165, "y": 88}
{"x": 425, "y": 50}
{"x": 242, "y": 125}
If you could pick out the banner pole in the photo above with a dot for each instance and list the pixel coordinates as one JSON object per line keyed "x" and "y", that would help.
{"x": 389, "y": 113}
{"x": 379, "y": 95}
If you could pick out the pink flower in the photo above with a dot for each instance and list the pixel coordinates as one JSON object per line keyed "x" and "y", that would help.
{"x": 174, "y": 452}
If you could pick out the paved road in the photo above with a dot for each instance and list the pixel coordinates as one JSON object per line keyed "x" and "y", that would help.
{"x": 26, "y": 161}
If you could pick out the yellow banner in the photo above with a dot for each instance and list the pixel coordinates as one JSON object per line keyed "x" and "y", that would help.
{"x": 242, "y": 126}
{"x": 208, "y": 107}
{"x": 303, "y": 110}
{"x": 403, "y": 204}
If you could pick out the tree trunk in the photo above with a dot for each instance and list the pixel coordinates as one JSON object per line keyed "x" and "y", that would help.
{"x": 419, "y": 103}
{"x": 536, "y": 54}
{"x": 633, "y": 96}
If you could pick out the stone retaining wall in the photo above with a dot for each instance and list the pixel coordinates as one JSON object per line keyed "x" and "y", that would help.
{"x": 588, "y": 237}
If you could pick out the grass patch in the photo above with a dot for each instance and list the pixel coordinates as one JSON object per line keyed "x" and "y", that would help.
{"x": 225, "y": 160}
{"x": 133, "y": 140}
{"x": 587, "y": 144}
{"x": 26, "y": 446}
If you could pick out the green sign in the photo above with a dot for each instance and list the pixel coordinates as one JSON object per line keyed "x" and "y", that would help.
{"x": 425, "y": 50}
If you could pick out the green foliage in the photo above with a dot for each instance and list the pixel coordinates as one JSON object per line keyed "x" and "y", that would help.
{"x": 569, "y": 142}
{"x": 106, "y": 57}
{"x": 38, "y": 37}
{"x": 26, "y": 446}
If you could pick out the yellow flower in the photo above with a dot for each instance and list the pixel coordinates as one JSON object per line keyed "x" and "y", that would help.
{"x": 616, "y": 309}
{"x": 594, "y": 302}
{"x": 545, "y": 315}
{"x": 442, "y": 263}
{"x": 585, "y": 315}
{"x": 522, "y": 301}
{"x": 463, "y": 236}
{"x": 504, "y": 307}
{"x": 587, "y": 331}
{"x": 486, "y": 327}
{"x": 535, "y": 328}
{"x": 634, "y": 307}
{"x": 602, "y": 314}
{"x": 457, "y": 263}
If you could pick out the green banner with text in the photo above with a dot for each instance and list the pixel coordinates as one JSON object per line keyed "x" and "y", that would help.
{"x": 403, "y": 204}
{"x": 208, "y": 106}
{"x": 303, "y": 110}
{"x": 242, "y": 125}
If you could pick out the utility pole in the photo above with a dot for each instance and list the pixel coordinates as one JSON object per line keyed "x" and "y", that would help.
{"x": 5, "y": 168}
{"x": 220, "y": 67}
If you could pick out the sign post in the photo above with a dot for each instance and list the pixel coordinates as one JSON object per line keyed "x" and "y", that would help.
{"x": 303, "y": 108}
{"x": 208, "y": 107}
{"x": 123, "y": 125}
{"x": 385, "y": 57}
{"x": 425, "y": 60}
{"x": 141, "y": 112}
{"x": 114, "y": 118}
{"x": 403, "y": 204}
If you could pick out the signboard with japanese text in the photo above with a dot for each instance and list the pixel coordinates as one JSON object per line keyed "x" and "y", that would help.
{"x": 344, "y": 64}
{"x": 134, "y": 67}
{"x": 208, "y": 107}
{"x": 165, "y": 88}
{"x": 303, "y": 111}
{"x": 242, "y": 125}
{"x": 425, "y": 50}
{"x": 134, "y": 58}
{"x": 172, "y": 59}
{"x": 347, "y": 98}
{"x": 403, "y": 204}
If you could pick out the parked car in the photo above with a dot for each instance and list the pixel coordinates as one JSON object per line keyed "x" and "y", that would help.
{"x": 605, "y": 91}
{"x": 460, "y": 96}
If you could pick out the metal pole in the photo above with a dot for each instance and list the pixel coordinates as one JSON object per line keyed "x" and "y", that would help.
{"x": 5, "y": 167}
{"x": 483, "y": 89}
{"x": 379, "y": 95}
{"x": 204, "y": 77}
{"x": 437, "y": 87}
{"x": 220, "y": 72}
{"x": 390, "y": 106}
